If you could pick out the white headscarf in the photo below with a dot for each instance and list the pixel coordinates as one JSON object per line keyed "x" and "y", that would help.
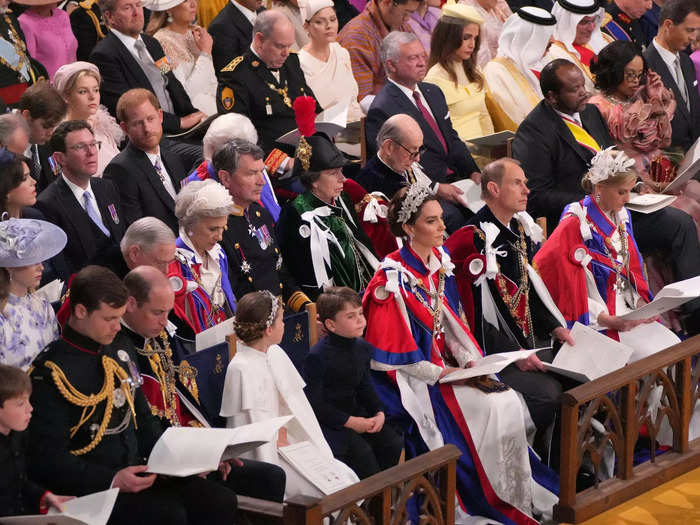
{"x": 565, "y": 30}
{"x": 525, "y": 42}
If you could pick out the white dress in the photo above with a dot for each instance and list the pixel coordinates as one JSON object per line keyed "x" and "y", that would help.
{"x": 332, "y": 82}
{"x": 264, "y": 385}
{"x": 194, "y": 69}
{"x": 27, "y": 325}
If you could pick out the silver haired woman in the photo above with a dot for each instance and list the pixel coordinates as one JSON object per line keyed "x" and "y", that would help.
{"x": 199, "y": 273}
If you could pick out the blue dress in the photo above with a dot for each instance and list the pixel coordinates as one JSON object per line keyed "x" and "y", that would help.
{"x": 27, "y": 325}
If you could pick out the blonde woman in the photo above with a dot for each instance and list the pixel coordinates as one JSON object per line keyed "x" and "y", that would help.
{"x": 79, "y": 85}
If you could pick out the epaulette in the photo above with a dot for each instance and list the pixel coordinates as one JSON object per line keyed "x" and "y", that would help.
{"x": 233, "y": 64}
{"x": 87, "y": 4}
{"x": 606, "y": 19}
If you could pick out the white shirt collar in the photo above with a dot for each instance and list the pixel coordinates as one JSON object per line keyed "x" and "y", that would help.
{"x": 214, "y": 253}
{"x": 667, "y": 56}
{"x": 78, "y": 191}
{"x": 249, "y": 14}
{"x": 155, "y": 156}
{"x": 576, "y": 116}
{"x": 406, "y": 91}
{"x": 128, "y": 41}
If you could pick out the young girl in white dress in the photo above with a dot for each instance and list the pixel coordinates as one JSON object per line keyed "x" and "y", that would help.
{"x": 262, "y": 383}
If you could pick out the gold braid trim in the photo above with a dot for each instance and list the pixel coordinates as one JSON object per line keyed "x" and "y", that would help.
{"x": 90, "y": 402}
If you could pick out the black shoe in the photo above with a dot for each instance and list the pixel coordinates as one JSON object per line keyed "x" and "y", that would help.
{"x": 585, "y": 479}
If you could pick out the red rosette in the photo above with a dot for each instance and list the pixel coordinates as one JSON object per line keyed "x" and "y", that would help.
{"x": 474, "y": 266}
{"x": 578, "y": 254}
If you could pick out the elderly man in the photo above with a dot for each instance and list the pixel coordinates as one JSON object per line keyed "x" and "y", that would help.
{"x": 445, "y": 158}
{"x": 223, "y": 129}
{"x": 512, "y": 77}
{"x": 533, "y": 321}
{"x": 263, "y": 82}
{"x": 147, "y": 173}
{"x": 254, "y": 258}
{"x": 555, "y": 144}
{"x": 623, "y": 20}
{"x": 14, "y": 133}
{"x": 167, "y": 385}
{"x": 363, "y": 37}
{"x": 128, "y": 59}
{"x": 679, "y": 21}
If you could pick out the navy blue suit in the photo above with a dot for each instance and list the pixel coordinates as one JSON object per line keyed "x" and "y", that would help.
{"x": 338, "y": 385}
{"x": 392, "y": 101}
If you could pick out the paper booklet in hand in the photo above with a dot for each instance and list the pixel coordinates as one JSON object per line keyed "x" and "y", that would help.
{"x": 490, "y": 364}
{"x": 187, "y": 451}
{"x": 688, "y": 169}
{"x": 669, "y": 297}
{"x": 649, "y": 202}
{"x": 593, "y": 356}
{"x": 51, "y": 291}
{"x": 214, "y": 335}
{"x": 471, "y": 198}
{"x": 326, "y": 473}
{"x": 93, "y": 509}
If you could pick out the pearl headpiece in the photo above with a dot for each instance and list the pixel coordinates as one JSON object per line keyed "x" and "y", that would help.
{"x": 415, "y": 197}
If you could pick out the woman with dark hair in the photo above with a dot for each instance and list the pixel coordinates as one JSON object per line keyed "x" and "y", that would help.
{"x": 415, "y": 293}
{"x": 494, "y": 13}
{"x": 452, "y": 67}
{"x": 17, "y": 187}
{"x": 638, "y": 110}
{"x": 320, "y": 234}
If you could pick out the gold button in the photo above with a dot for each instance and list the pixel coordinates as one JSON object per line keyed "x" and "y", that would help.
{"x": 250, "y": 279}
{"x": 281, "y": 286}
{"x": 276, "y": 250}
{"x": 257, "y": 214}
{"x": 236, "y": 246}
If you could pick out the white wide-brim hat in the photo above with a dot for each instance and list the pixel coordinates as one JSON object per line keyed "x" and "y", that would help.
{"x": 160, "y": 5}
{"x": 24, "y": 242}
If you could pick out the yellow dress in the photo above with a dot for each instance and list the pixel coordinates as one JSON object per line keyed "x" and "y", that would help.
{"x": 208, "y": 9}
{"x": 466, "y": 102}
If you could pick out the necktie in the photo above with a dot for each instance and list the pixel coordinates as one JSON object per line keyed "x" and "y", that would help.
{"x": 161, "y": 174}
{"x": 155, "y": 77}
{"x": 92, "y": 212}
{"x": 36, "y": 163}
{"x": 680, "y": 81}
{"x": 430, "y": 120}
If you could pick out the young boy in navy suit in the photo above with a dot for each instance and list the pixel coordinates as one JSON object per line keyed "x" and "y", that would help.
{"x": 18, "y": 495}
{"x": 340, "y": 389}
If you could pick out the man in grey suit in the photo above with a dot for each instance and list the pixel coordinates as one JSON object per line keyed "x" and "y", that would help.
{"x": 679, "y": 20}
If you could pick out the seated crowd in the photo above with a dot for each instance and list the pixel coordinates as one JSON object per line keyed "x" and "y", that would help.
{"x": 172, "y": 176}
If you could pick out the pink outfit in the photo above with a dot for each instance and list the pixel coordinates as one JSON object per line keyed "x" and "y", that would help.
{"x": 50, "y": 40}
{"x": 695, "y": 57}
{"x": 423, "y": 26}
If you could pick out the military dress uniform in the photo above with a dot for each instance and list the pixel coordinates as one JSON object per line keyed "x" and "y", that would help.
{"x": 18, "y": 70}
{"x": 254, "y": 257}
{"x": 247, "y": 86}
{"x": 92, "y": 420}
{"x": 88, "y": 27}
{"x": 621, "y": 27}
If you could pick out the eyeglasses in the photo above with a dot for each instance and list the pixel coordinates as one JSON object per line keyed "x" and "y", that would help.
{"x": 85, "y": 146}
{"x": 413, "y": 154}
{"x": 631, "y": 75}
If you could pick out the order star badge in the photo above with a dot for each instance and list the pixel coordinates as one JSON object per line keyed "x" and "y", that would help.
{"x": 245, "y": 267}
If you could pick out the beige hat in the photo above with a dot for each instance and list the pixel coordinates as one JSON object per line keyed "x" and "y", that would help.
{"x": 463, "y": 12}
{"x": 308, "y": 8}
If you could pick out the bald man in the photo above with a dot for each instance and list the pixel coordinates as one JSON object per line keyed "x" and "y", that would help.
{"x": 264, "y": 81}
{"x": 168, "y": 387}
{"x": 397, "y": 164}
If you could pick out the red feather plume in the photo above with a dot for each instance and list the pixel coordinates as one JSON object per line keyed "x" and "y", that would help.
{"x": 305, "y": 115}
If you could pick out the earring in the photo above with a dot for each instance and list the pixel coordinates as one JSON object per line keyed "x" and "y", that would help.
{"x": 597, "y": 197}
{"x": 169, "y": 19}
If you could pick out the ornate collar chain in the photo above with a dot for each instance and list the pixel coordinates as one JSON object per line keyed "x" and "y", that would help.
{"x": 282, "y": 92}
{"x": 623, "y": 257}
{"x": 433, "y": 297}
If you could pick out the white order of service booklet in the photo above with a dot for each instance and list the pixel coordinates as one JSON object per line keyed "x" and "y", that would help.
{"x": 187, "y": 451}
{"x": 93, "y": 509}
{"x": 669, "y": 297}
{"x": 593, "y": 356}
{"x": 491, "y": 364}
{"x": 321, "y": 470}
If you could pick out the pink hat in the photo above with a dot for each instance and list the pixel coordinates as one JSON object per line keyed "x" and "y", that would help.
{"x": 68, "y": 71}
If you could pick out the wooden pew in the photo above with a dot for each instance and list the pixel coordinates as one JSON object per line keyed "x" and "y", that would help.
{"x": 619, "y": 402}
